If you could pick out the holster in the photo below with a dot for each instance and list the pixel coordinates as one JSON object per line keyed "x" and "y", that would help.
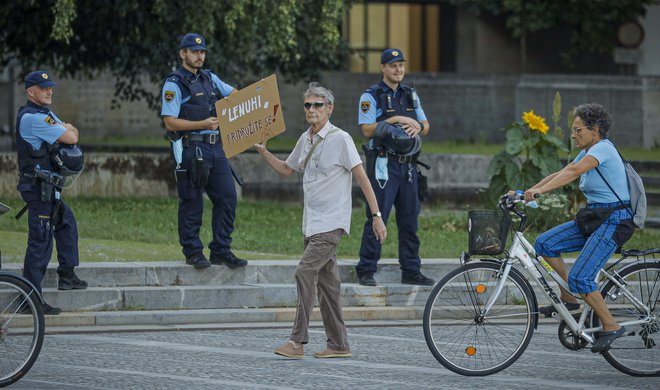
{"x": 199, "y": 172}
{"x": 57, "y": 219}
{"x": 46, "y": 190}
{"x": 370, "y": 160}
{"x": 422, "y": 185}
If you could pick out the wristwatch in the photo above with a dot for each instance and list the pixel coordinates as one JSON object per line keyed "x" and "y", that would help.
{"x": 421, "y": 124}
{"x": 377, "y": 214}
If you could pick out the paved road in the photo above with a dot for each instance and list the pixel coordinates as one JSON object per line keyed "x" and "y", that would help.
{"x": 384, "y": 358}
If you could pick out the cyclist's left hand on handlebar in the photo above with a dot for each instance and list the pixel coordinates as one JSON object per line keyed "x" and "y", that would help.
{"x": 532, "y": 194}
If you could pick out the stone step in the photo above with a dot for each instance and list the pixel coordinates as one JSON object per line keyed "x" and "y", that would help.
{"x": 233, "y": 297}
{"x": 224, "y": 297}
{"x": 213, "y": 318}
{"x": 177, "y": 273}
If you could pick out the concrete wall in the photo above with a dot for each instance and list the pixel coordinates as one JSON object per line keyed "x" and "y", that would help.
{"x": 151, "y": 175}
{"x": 650, "y": 48}
{"x": 633, "y": 102}
{"x": 459, "y": 107}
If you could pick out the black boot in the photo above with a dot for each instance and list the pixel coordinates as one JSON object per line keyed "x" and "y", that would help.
{"x": 52, "y": 311}
{"x": 68, "y": 280}
{"x": 228, "y": 259}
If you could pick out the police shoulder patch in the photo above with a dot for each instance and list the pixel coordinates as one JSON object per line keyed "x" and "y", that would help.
{"x": 169, "y": 96}
{"x": 49, "y": 119}
{"x": 364, "y": 106}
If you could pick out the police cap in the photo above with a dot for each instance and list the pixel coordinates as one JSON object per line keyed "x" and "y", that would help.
{"x": 391, "y": 55}
{"x": 40, "y": 78}
{"x": 193, "y": 41}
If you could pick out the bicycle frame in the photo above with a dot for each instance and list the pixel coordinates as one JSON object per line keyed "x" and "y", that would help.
{"x": 524, "y": 252}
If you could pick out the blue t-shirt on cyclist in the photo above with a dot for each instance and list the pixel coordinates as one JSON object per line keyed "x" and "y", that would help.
{"x": 611, "y": 167}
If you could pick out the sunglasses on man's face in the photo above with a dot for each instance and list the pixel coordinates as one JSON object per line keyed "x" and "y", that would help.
{"x": 316, "y": 105}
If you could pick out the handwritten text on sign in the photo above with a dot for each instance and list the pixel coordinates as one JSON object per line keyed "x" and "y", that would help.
{"x": 250, "y": 116}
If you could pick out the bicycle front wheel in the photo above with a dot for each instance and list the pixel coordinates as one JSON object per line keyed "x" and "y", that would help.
{"x": 637, "y": 352}
{"x": 468, "y": 341}
{"x": 21, "y": 328}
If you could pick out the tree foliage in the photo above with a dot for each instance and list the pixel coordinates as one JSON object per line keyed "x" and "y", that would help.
{"x": 137, "y": 41}
{"x": 592, "y": 24}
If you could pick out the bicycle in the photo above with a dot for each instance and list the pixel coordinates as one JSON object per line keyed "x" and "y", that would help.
{"x": 22, "y": 324}
{"x": 479, "y": 318}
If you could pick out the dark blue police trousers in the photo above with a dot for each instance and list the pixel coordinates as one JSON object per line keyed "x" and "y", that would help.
{"x": 41, "y": 233}
{"x": 222, "y": 192}
{"x": 400, "y": 191}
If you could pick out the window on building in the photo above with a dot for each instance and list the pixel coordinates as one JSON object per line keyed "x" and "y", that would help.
{"x": 423, "y": 30}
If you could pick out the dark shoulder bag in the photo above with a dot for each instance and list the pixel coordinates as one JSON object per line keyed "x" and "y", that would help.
{"x": 590, "y": 219}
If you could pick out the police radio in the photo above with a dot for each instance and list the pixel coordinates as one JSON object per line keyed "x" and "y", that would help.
{"x": 415, "y": 100}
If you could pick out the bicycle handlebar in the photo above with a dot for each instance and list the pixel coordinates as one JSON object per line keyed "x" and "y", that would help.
{"x": 507, "y": 204}
{"x": 509, "y": 201}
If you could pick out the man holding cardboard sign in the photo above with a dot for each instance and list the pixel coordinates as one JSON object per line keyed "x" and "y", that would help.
{"x": 326, "y": 158}
{"x": 188, "y": 98}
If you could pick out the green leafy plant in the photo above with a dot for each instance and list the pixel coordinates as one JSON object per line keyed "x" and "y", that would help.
{"x": 551, "y": 212}
{"x": 530, "y": 154}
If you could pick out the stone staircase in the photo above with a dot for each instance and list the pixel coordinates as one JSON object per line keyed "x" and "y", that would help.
{"x": 170, "y": 293}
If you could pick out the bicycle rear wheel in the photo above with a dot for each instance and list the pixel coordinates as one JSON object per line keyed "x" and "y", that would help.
{"x": 465, "y": 341}
{"x": 21, "y": 328}
{"x": 637, "y": 352}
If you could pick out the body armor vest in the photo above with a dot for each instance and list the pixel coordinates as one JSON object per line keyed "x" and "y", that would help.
{"x": 400, "y": 104}
{"x": 203, "y": 94}
{"x": 28, "y": 158}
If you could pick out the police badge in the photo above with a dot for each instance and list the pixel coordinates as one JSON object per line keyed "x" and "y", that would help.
{"x": 50, "y": 120}
{"x": 169, "y": 96}
{"x": 364, "y": 106}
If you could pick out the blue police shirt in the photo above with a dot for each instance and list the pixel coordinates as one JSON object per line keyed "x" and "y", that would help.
{"x": 172, "y": 105}
{"x": 369, "y": 116}
{"x": 38, "y": 127}
{"x": 611, "y": 167}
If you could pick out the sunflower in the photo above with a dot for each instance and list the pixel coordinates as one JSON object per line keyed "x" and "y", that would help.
{"x": 535, "y": 122}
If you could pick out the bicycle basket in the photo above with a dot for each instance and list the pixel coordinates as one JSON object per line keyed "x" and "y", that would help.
{"x": 487, "y": 232}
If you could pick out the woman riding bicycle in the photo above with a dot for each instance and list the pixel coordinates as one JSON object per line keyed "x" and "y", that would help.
{"x": 597, "y": 162}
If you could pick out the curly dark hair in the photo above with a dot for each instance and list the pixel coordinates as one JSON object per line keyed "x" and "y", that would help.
{"x": 594, "y": 114}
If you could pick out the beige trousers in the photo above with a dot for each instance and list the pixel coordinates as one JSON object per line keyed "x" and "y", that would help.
{"x": 318, "y": 270}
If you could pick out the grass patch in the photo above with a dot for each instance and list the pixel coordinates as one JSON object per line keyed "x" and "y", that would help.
{"x": 139, "y": 229}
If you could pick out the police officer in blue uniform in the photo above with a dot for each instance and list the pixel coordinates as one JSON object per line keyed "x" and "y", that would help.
{"x": 188, "y": 100}
{"x": 40, "y": 135}
{"x": 391, "y": 117}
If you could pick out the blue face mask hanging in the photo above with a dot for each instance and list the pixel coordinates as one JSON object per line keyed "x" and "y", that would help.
{"x": 177, "y": 150}
{"x": 381, "y": 171}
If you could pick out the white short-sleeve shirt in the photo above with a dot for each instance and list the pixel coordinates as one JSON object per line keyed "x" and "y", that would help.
{"x": 327, "y": 180}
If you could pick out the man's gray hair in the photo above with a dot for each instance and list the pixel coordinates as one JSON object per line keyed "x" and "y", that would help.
{"x": 315, "y": 89}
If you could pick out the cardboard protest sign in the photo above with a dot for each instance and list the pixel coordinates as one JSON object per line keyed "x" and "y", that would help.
{"x": 250, "y": 116}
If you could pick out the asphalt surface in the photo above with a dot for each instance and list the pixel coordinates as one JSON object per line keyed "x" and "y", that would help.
{"x": 384, "y": 357}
